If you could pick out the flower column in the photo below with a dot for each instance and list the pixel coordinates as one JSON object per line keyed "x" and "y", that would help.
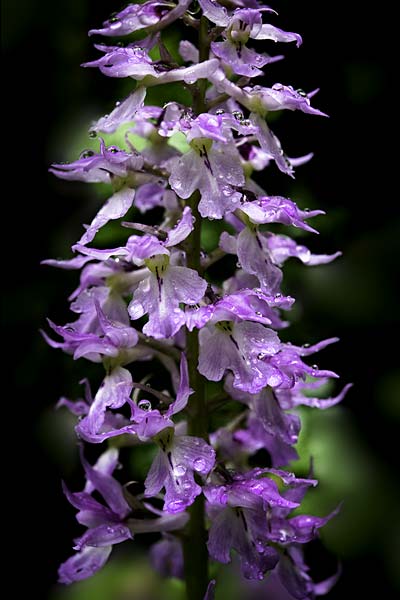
{"x": 196, "y": 163}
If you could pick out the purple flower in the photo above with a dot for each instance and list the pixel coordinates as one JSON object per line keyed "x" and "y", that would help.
{"x": 113, "y": 393}
{"x": 123, "y": 112}
{"x": 214, "y": 169}
{"x": 196, "y": 162}
{"x": 179, "y": 457}
{"x": 228, "y": 342}
{"x": 166, "y": 557}
{"x": 260, "y": 253}
{"x": 101, "y": 330}
{"x": 166, "y": 286}
{"x": 269, "y": 427}
{"x": 141, "y": 16}
{"x": 276, "y": 209}
{"x": 134, "y": 61}
{"x": 173, "y": 468}
{"x": 150, "y": 422}
{"x": 116, "y": 337}
{"x": 244, "y": 24}
{"x": 238, "y": 510}
{"x": 145, "y": 423}
{"x": 106, "y": 523}
{"x": 294, "y": 575}
{"x": 101, "y": 167}
{"x": 295, "y": 396}
{"x": 254, "y": 258}
{"x": 248, "y": 513}
{"x": 281, "y": 97}
{"x": 259, "y": 101}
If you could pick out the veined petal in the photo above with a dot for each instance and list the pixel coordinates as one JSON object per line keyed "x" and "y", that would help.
{"x": 184, "y": 390}
{"x": 84, "y": 564}
{"x": 157, "y": 475}
{"x": 113, "y": 393}
{"x": 103, "y": 536}
{"x": 109, "y": 488}
{"x": 214, "y": 12}
{"x": 124, "y": 112}
{"x": 184, "y": 285}
{"x": 270, "y": 32}
{"x": 115, "y": 207}
{"x": 194, "y": 452}
{"x": 217, "y": 353}
{"x": 255, "y": 259}
{"x": 182, "y": 229}
{"x": 186, "y": 172}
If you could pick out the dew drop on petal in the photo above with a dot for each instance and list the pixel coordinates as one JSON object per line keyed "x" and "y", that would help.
{"x": 179, "y": 470}
{"x": 144, "y": 405}
{"x": 199, "y": 464}
{"x": 86, "y": 154}
{"x": 283, "y": 535}
{"x": 176, "y": 505}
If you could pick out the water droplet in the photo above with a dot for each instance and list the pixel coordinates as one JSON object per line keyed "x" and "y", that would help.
{"x": 176, "y": 505}
{"x": 301, "y": 93}
{"x": 86, "y": 154}
{"x": 283, "y": 535}
{"x": 220, "y": 111}
{"x": 179, "y": 470}
{"x": 261, "y": 356}
{"x": 92, "y": 134}
{"x": 113, "y": 149}
{"x": 306, "y": 345}
{"x": 199, "y": 465}
{"x": 258, "y": 313}
{"x": 239, "y": 265}
{"x": 315, "y": 367}
{"x": 144, "y": 405}
{"x": 118, "y": 103}
{"x": 238, "y": 115}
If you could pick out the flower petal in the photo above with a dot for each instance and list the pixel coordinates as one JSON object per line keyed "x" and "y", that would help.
{"x": 109, "y": 488}
{"x": 115, "y": 207}
{"x": 103, "y": 536}
{"x": 122, "y": 113}
{"x": 84, "y": 564}
{"x": 157, "y": 475}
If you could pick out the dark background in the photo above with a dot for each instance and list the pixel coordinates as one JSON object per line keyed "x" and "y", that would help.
{"x": 353, "y": 175}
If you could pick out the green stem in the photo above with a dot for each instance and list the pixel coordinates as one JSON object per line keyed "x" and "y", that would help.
{"x": 195, "y": 542}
